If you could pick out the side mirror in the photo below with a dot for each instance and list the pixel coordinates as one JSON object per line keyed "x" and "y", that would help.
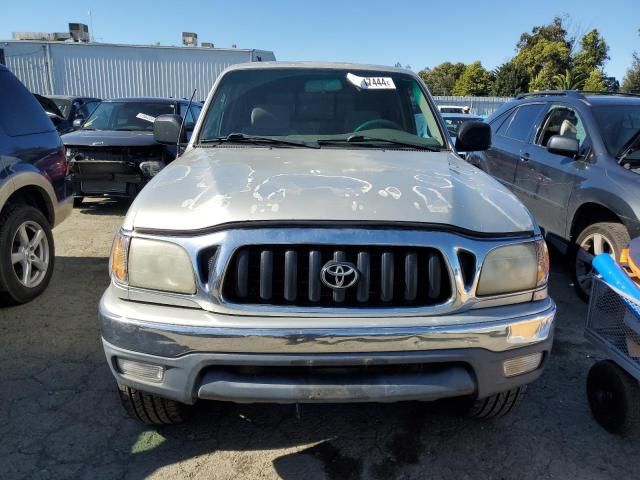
{"x": 77, "y": 123}
{"x": 565, "y": 146}
{"x": 166, "y": 129}
{"x": 473, "y": 136}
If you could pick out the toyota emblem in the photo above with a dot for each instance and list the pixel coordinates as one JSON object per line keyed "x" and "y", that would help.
{"x": 339, "y": 275}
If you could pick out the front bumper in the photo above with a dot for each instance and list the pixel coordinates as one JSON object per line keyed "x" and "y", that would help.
{"x": 446, "y": 358}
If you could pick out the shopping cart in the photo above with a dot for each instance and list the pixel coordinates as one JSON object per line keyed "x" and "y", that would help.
{"x": 613, "y": 388}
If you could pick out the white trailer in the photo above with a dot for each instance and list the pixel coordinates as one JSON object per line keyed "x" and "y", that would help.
{"x": 110, "y": 70}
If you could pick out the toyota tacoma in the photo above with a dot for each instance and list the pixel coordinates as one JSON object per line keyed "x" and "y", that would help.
{"x": 321, "y": 241}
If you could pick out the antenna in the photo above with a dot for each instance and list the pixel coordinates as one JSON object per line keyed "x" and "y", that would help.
{"x": 183, "y": 120}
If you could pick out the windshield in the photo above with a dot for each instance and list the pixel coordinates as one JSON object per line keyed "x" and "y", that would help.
{"x": 324, "y": 106}
{"x": 63, "y": 105}
{"x": 618, "y": 123}
{"x": 127, "y": 115}
{"x": 453, "y": 123}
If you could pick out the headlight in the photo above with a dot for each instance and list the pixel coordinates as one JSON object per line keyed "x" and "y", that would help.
{"x": 152, "y": 264}
{"x": 514, "y": 268}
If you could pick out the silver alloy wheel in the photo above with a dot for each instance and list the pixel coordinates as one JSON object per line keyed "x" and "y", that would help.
{"x": 592, "y": 245}
{"x": 30, "y": 254}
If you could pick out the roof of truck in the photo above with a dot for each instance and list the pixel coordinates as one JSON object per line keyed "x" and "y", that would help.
{"x": 320, "y": 65}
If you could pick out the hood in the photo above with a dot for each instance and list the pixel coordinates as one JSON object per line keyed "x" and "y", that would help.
{"x": 210, "y": 187}
{"x": 108, "y": 138}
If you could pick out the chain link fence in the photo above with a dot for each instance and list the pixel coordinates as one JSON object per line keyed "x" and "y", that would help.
{"x": 482, "y": 106}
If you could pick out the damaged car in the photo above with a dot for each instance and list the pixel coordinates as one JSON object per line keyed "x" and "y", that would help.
{"x": 114, "y": 153}
{"x": 320, "y": 241}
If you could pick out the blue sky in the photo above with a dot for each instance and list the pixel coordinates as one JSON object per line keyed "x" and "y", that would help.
{"x": 417, "y": 33}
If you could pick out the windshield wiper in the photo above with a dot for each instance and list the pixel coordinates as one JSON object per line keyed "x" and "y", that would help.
{"x": 355, "y": 138}
{"x": 241, "y": 137}
{"x": 629, "y": 147}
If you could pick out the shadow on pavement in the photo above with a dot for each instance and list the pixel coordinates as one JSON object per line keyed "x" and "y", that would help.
{"x": 60, "y": 416}
{"x": 105, "y": 206}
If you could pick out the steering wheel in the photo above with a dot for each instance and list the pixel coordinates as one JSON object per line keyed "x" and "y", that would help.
{"x": 378, "y": 123}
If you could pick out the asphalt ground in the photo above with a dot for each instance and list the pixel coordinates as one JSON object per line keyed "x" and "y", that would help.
{"x": 60, "y": 416}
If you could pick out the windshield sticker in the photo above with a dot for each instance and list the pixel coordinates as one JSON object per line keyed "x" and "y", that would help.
{"x": 144, "y": 116}
{"x": 372, "y": 83}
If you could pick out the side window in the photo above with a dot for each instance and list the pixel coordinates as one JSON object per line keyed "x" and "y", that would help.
{"x": 87, "y": 109}
{"x": 21, "y": 114}
{"x": 187, "y": 114}
{"x": 562, "y": 120}
{"x": 497, "y": 125}
{"x": 195, "y": 111}
{"x": 519, "y": 124}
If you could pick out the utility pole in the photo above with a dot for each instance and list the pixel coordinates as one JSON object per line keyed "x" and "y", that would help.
{"x": 91, "y": 37}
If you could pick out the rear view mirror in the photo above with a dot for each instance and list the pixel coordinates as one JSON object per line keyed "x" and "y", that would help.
{"x": 565, "y": 146}
{"x": 473, "y": 137}
{"x": 166, "y": 129}
{"x": 77, "y": 123}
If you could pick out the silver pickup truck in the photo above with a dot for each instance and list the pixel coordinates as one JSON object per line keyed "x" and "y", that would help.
{"x": 320, "y": 241}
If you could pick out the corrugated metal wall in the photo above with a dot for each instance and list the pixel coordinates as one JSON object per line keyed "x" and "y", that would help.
{"x": 483, "y": 106}
{"x": 108, "y": 71}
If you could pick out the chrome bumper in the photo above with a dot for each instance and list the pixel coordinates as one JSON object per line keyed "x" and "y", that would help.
{"x": 173, "y": 331}
{"x": 465, "y": 353}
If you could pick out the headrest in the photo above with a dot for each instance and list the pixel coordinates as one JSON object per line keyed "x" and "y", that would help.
{"x": 568, "y": 129}
{"x": 273, "y": 116}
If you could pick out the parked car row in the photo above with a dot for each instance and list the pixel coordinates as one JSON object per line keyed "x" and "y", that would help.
{"x": 111, "y": 152}
{"x": 573, "y": 159}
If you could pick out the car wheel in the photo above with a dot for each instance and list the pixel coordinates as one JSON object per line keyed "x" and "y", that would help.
{"x": 77, "y": 201}
{"x": 152, "y": 409}
{"x": 26, "y": 253}
{"x": 494, "y": 406}
{"x": 603, "y": 237}
{"x": 614, "y": 398}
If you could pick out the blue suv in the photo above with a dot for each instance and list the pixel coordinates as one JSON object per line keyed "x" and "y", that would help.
{"x": 573, "y": 158}
{"x": 33, "y": 194}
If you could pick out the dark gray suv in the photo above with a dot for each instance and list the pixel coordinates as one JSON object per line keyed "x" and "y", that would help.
{"x": 573, "y": 158}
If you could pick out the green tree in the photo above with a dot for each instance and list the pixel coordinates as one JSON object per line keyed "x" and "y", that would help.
{"x": 510, "y": 79}
{"x": 474, "y": 81}
{"x": 631, "y": 81}
{"x": 545, "y": 53}
{"x": 442, "y": 79}
{"x": 595, "y": 82}
{"x": 594, "y": 53}
{"x": 569, "y": 80}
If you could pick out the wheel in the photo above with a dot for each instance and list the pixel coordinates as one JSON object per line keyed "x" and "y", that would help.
{"x": 614, "y": 398}
{"x": 26, "y": 253}
{"x": 152, "y": 409}
{"x": 603, "y": 237}
{"x": 495, "y": 406}
{"x": 77, "y": 201}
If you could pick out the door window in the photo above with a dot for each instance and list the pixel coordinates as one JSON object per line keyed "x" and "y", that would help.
{"x": 564, "y": 121}
{"x": 519, "y": 124}
{"x": 87, "y": 109}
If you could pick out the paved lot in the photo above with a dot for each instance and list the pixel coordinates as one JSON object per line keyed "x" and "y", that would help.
{"x": 60, "y": 416}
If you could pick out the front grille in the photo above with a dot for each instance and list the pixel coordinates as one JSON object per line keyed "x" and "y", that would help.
{"x": 104, "y": 154}
{"x": 101, "y": 167}
{"x": 387, "y": 276}
{"x": 103, "y": 186}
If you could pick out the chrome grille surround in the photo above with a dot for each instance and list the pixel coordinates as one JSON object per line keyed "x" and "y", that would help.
{"x": 209, "y": 288}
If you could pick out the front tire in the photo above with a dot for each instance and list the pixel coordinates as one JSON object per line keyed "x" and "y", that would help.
{"x": 602, "y": 237}
{"x": 27, "y": 253}
{"x": 614, "y": 398}
{"x": 494, "y": 406}
{"x": 152, "y": 409}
